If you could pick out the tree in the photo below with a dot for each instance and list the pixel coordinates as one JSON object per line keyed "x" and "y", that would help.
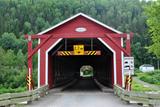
{"x": 10, "y": 58}
{"x": 40, "y": 23}
{"x": 153, "y": 21}
{"x": 20, "y": 59}
{"x": 2, "y": 52}
{"x": 27, "y": 27}
{"x": 8, "y": 41}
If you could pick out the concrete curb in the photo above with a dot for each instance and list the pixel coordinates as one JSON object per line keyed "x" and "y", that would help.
{"x": 103, "y": 88}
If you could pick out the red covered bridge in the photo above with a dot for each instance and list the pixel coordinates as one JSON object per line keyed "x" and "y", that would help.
{"x": 105, "y": 43}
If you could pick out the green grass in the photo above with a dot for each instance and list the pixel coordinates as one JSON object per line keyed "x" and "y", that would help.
{"x": 149, "y": 77}
{"x": 10, "y": 90}
{"x": 140, "y": 87}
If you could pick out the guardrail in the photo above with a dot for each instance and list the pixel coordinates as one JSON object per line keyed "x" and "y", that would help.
{"x": 28, "y": 96}
{"x": 144, "y": 98}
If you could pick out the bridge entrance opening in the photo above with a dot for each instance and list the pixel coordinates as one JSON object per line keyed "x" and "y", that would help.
{"x": 65, "y": 69}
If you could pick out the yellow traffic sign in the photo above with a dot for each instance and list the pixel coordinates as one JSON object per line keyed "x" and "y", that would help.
{"x": 78, "y": 49}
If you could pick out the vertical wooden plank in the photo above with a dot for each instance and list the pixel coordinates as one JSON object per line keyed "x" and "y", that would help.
{"x": 30, "y": 87}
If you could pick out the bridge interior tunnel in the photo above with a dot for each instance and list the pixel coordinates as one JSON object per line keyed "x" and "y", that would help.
{"x": 67, "y": 68}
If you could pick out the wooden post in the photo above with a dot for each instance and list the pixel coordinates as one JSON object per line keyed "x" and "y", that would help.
{"x": 128, "y": 44}
{"x": 128, "y": 82}
{"x": 29, "y": 78}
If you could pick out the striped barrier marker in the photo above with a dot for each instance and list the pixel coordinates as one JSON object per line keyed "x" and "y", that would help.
{"x": 65, "y": 53}
{"x": 91, "y": 53}
{"x": 128, "y": 82}
{"x": 29, "y": 82}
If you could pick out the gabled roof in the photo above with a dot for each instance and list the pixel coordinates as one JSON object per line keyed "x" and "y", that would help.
{"x": 73, "y": 17}
{"x": 147, "y": 65}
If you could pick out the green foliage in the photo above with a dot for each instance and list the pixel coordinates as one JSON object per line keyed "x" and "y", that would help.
{"x": 27, "y": 27}
{"x": 20, "y": 60}
{"x": 136, "y": 86}
{"x": 139, "y": 87}
{"x": 151, "y": 77}
{"x": 10, "y": 58}
{"x": 12, "y": 69}
{"x": 27, "y": 16}
{"x": 10, "y": 90}
{"x": 8, "y": 41}
{"x": 153, "y": 21}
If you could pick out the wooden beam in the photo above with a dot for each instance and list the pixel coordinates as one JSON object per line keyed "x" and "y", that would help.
{"x": 71, "y": 53}
{"x": 114, "y": 42}
{"x": 72, "y": 35}
{"x": 39, "y": 46}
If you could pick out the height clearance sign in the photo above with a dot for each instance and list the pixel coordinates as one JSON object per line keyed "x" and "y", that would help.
{"x": 78, "y": 49}
{"x": 129, "y": 65}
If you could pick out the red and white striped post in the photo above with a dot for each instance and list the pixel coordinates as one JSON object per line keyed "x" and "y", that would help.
{"x": 29, "y": 76}
{"x": 129, "y": 76}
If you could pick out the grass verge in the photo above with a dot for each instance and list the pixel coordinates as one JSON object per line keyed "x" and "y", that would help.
{"x": 140, "y": 87}
{"x": 10, "y": 90}
{"x": 149, "y": 77}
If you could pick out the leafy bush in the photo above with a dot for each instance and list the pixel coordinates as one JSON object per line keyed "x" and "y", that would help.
{"x": 151, "y": 77}
{"x": 10, "y": 90}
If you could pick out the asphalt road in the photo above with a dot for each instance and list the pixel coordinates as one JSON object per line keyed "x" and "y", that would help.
{"x": 83, "y": 93}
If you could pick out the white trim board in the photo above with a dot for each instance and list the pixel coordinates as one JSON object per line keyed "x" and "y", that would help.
{"x": 114, "y": 60}
{"x": 84, "y": 15}
{"x": 46, "y": 70}
{"x": 39, "y": 66}
{"x": 122, "y": 58}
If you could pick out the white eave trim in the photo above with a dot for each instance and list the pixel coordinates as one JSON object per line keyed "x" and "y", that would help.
{"x": 84, "y": 15}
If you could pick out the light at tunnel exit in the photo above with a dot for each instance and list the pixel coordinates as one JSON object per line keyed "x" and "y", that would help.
{"x": 86, "y": 71}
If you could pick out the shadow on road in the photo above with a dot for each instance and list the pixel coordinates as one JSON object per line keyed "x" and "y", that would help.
{"x": 83, "y": 84}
